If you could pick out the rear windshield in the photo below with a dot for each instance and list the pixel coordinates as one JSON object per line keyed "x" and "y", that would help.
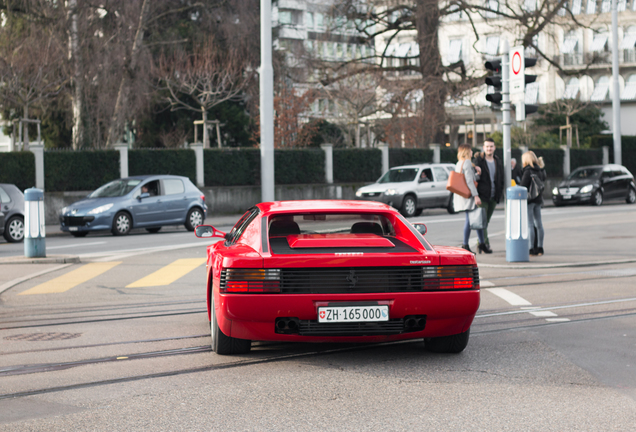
{"x": 585, "y": 173}
{"x": 280, "y": 226}
{"x": 399, "y": 175}
{"x": 116, "y": 188}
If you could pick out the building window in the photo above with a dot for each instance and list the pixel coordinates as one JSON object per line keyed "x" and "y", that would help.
{"x": 606, "y": 6}
{"x": 319, "y": 20}
{"x": 532, "y": 93}
{"x": 310, "y": 20}
{"x": 492, "y": 45}
{"x": 454, "y": 51}
{"x": 601, "y": 89}
{"x": 455, "y": 14}
{"x": 530, "y": 5}
{"x": 576, "y": 7}
{"x": 622, "y": 5}
{"x": 572, "y": 89}
{"x": 339, "y": 51}
{"x": 591, "y": 7}
{"x": 570, "y": 44}
{"x": 599, "y": 43}
{"x": 493, "y": 8}
{"x": 629, "y": 93}
{"x": 284, "y": 17}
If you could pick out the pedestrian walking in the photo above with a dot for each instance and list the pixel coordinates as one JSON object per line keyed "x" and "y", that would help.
{"x": 465, "y": 166}
{"x": 489, "y": 185}
{"x": 533, "y": 179}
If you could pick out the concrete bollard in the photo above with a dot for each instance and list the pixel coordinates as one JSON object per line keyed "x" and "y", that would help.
{"x": 34, "y": 234}
{"x": 517, "y": 238}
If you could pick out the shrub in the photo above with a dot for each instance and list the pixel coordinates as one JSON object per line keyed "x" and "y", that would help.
{"x": 225, "y": 167}
{"x": 299, "y": 166}
{"x": 553, "y": 159}
{"x": 18, "y": 168}
{"x": 177, "y": 162}
{"x": 403, "y": 156}
{"x": 66, "y": 170}
{"x": 357, "y": 165}
{"x": 583, "y": 157}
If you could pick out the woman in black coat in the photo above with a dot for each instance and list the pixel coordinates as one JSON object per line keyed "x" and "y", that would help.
{"x": 533, "y": 165}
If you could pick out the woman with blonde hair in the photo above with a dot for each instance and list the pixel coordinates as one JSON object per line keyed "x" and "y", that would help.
{"x": 465, "y": 166}
{"x": 533, "y": 166}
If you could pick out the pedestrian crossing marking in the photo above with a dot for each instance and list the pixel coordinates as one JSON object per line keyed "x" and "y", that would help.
{"x": 72, "y": 279}
{"x": 168, "y": 274}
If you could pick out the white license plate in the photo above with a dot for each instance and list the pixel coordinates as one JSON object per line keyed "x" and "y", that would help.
{"x": 567, "y": 196}
{"x": 333, "y": 314}
{"x": 73, "y": 228}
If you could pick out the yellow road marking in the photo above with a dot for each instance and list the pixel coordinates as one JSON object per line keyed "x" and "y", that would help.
{"x": 169, "y": 273}
{"x": 72, "y": 279}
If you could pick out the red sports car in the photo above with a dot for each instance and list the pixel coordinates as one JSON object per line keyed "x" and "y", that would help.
{"x": 336, "y": 271}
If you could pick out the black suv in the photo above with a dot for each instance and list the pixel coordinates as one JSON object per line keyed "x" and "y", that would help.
{"x": 594, "y": 184}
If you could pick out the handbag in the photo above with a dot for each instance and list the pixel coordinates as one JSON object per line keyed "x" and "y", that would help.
{"x": 536, "y": 187}
{"x": 478, "y": 218}
{"x": 457, "y": 184}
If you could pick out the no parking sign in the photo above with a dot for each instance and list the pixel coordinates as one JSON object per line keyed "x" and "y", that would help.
{"x": 517, "y": 71}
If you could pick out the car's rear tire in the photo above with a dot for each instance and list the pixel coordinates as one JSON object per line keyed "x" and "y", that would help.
{"x": 79, "y": 233}
{"x": 122, "y": 223}
{"x": 194, "y": 218}
{"x": 450, "y": 208}
{"x": 597, "y": 198}
{"x": 409, "y": 206}
{"x": 453, "y": 344}
{"x": 222, "y": 344}
{"x": 14, "y": 229}
{"x": 153, "y": 230}
{"x": 631, "y": 196}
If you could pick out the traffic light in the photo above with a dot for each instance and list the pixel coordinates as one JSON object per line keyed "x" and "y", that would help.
{"x": 522, "y": 109}
{"x": 494, "y": 80}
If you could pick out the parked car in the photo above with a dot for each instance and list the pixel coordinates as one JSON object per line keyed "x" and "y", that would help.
{"x": 12, "y": 205}
{"x": 336, "y": 271}
{"x": 595, "y": 184}
{"x": 148, "y": 202}
{"x": 412, "y": 188}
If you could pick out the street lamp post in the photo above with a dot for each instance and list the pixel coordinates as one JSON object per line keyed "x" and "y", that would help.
{"x": 267, "y": 104}
{"x": 616, "y": 101}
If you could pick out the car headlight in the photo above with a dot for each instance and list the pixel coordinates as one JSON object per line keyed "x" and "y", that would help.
{"x": 101, "y": 209}
{"x": 390, "y": 192}
{"x": 587, "y": 188}
{"x": 555, "y": 191}
{"x": 64, "y": 210}
{"x": 358, "y": 193}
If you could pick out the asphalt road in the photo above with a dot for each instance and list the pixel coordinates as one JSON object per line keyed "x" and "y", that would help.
{"x": 121, "y": 342}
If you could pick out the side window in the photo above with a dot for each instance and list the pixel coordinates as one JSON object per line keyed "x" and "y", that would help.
{"x": 440, "y": 174}
{"x": 4, "y": 196}
{"x": 426, "y": 175}
{"x": 241, "y": 225}
{"x": 151, "y": 187}
{"x": 173, "y": 187}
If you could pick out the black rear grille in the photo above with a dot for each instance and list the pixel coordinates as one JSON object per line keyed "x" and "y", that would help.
{"x": 313, "y": 328}
{"x": 77, "y": 220}
{"x": 336, "y": 280}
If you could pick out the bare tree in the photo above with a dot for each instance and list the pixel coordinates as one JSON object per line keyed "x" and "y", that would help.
{"x": 203, "y": 79}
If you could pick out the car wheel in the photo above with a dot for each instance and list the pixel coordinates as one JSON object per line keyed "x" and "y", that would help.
{"x": 631, "y": 196}
{"x": 222, "y": 344}
{"x": 14, "y": 230}
{"x": 409, "y": 206}
{"x": 79, "y": 234}
{"x": 194, "y": 219}
{"x": 121, "y": 224}
{"x": 597, "y": 198}
{"x": 450, "y": 208}
{"x": 153, "y": 230}
{"x": 453, "y": 344}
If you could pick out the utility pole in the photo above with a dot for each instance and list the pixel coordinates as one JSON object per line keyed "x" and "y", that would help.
{"x": 616, "y": 100}
{"x": 267, "y": 104}
{"x": 505, "y": 108}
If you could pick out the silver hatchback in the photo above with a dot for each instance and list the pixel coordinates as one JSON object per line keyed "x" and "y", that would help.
{"x": 412, "y": 188}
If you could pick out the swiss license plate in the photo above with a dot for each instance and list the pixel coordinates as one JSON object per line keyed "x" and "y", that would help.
{"x": 333, "y": 314}
{"x": 72, "y": 228}
{"x": 567, "y": 196}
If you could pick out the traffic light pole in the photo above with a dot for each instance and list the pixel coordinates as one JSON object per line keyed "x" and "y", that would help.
{"x": 505, "y": 108}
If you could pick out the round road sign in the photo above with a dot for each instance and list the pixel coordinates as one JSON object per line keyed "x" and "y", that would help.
{"x": 516, "y": 63}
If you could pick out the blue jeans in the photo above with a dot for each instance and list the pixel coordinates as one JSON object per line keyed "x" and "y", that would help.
{"x": 480, "y": 233}
{"x": 534, "y": 220}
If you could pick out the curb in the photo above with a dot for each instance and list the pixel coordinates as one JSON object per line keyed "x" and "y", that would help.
{"x": 545, "y": 266}
{"x": 52, "y": 259}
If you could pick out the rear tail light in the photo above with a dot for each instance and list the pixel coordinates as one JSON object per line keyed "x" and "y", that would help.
{"x": 203, "y": 198}
{"x": 450, "y": 278}
{"x": 250, "y": 281}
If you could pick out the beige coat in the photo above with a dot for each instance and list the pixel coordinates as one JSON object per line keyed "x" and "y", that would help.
{"x": 466, "y": 204}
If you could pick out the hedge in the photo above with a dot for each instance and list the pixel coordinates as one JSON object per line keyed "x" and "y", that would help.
{"x": 18, "y": 168}
{"x": 356, "y": 165}
{"x": 583, "y": 157}
{"x": 404, "y": 156}
{"x": 177, "y": 162}
{"x": 553, "y": 159}
{"x": 225, "y": 167}
{"x": 448, "y": 155}
{"x": 628, "y": 149}
{"x": 299, "y": 166}
{"x": 79, "y": 171}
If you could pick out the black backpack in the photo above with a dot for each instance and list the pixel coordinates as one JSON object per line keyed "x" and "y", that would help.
{"x": 536, "y": 187}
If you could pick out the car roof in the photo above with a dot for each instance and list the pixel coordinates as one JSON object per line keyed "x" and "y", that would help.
{"x": 423, "y": 165}
{"x": 148, "y": 176}
{"x": 345, "y": 206}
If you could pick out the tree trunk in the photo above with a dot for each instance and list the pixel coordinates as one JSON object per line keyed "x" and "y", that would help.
{"x": 427, "y": 19}
{"x": 78, "y": 91}
{"x": 119, "y": 114}
{"x": 206, "y": 135}
{"x": 25, "y": 135}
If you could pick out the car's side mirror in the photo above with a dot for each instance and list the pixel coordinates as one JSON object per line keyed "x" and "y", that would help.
{"x": 207, "y": 231}
{"x": 420, "y": 227}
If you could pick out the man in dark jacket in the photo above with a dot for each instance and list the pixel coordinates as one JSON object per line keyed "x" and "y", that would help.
{"x": 490, "y": 183}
